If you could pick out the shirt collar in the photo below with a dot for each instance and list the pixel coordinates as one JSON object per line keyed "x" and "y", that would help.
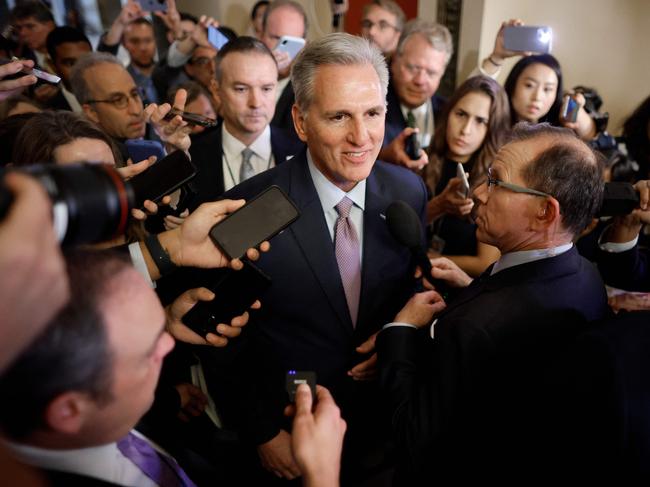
{"x": 330, "y": 194}
{"x": 512, "y": 259}
{"x": 420, "y": 111}
{"x": 232, "y": 146}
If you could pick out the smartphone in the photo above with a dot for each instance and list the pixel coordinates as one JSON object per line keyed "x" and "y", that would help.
{"x": 570, "y": 109}
{"x": 216, "y": 38}
{"x": 296, "y": 377}
{"x": 191, "y": 118}
{"x": 528, "y": 38}
{"x": 164, "y": 177}
{"x": 234, "y": 293}
{"x": 42, "y": 75}
{"x": 291, "y": 45}
{"x": 140, "y": 149}
{"x": 261, "y": 218}
{"x": 153, "y": 5}
{"x": 460, "y": 173}
{"x": 412, "y": 146}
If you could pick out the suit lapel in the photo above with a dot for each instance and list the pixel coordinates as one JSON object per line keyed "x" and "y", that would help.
{"x": 313, "y": 237}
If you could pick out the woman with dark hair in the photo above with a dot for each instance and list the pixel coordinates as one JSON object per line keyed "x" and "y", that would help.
{"x": 63, "y": 137}
{"x": 534, "y": 87}
{"x": 473, "y": 126}
{"x": 636, "y": 132}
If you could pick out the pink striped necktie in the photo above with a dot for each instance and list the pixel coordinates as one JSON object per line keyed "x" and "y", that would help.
{"x": 348, "y": 256}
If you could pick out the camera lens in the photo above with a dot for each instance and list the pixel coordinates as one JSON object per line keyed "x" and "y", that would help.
{"x": 90, "y": 202}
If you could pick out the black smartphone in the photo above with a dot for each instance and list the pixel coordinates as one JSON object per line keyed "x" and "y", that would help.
{"x": 412, "y": 146}
{"x": 296, "y": 377}
{"x": 163, "y": 178}
{"x": 234, "y": 293}
{"x": 261, "y": 218}
{"x": 191, "y": 118}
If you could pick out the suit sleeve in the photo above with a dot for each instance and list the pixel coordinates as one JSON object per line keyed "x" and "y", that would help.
{"x": 626, "y": 270}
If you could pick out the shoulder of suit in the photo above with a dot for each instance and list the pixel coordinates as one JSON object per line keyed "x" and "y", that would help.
{"x": 392, "y": 172}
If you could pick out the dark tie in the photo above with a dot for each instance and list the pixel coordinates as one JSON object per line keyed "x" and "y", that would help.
{"x": 246, "y": 170}
{"x": 348, "y": 257}
{"x": 163, "y": 470}
{"x": 410, "y": 120}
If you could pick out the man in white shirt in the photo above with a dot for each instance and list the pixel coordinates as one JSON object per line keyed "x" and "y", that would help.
{"x": 417, "y": 67}
{"x": 244, "y": 144}
{"x": 482, "y": 386}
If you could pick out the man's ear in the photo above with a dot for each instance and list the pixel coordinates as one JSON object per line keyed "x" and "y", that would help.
{"x": 548, "y": 213}
{"x": 68, "y": 412}
{"x": 90, "y": 112}
{"x": 299, "y": 122}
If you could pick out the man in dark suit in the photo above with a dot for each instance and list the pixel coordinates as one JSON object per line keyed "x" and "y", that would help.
{"x": 480, "y": 393}
{"x": 337, "y": 272}
{"x": 283, "y": 18}
{"x": 243, "y": 144}
{"x": 417, "y": 67}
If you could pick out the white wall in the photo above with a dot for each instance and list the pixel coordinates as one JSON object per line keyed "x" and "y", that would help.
{"x": 599, "y": 43}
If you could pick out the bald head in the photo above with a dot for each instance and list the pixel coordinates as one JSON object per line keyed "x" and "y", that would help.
{"x": 565, "y": 167}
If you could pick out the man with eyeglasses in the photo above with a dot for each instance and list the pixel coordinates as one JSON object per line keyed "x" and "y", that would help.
{"x": 483, "y": 391}
{"x": 382, "y": 24}
{"x": 109, "y": 97}
{"x": 417, "y": 67}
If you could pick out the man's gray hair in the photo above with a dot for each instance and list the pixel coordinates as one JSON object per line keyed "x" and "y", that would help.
{"x": 437, "y": 36}
{"x": 334, "y": 49}
{"x": 78, "y": 82}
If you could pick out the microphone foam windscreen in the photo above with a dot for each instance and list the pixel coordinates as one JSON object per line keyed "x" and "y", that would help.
{"x": 404, "y": 224}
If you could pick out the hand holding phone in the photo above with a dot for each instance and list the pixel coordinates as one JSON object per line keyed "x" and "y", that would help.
{"x": 291, "y": 45}
{"x": 216, "y": 38}
{"x": 296, "y": 377}
{"x": 261, "y": 218}
{"x": 191, "y": 118}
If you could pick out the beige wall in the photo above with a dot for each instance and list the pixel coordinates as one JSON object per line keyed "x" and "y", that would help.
{"x": 600, "y": 43}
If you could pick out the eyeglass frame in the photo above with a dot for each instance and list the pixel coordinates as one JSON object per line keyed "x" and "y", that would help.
{"x": 382, "y": 25}
{"x": 414, "y": 70}
{"x": 513, "y": 187}
{"x": 116, "y": 102}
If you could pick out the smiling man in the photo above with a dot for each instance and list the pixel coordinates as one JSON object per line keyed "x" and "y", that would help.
{"x": 337, "y": 272}
{"x": 484, "y": 384}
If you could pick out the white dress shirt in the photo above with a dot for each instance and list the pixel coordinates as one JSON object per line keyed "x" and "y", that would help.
{"x": 261, "y": 160}
{"x": 105, "y": 462}
{"x": 330, "y": 195}
{"x": 71, "y": 99}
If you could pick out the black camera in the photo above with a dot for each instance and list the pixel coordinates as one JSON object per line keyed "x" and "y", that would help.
{"x": 619, "y": 198}
{"x": 90, "y": 202}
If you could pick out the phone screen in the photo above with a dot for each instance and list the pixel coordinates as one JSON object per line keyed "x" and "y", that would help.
{"x": 525, "y": 38}
{"x": 570, "y": 109}
{"x": 290, "y": 45}
{"x": 260, "y": 219}
{"x": 216, "y": 38}
{"x": 233, "y": 294}
{"x": 163, "y": 178}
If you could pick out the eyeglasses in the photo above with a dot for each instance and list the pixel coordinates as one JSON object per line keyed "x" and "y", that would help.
{"x": 382, "y": 24}
{"x": 513, "y": 187}
{"x": 202, "y": 61}
{"x": 414, "y": 70}
{"x": 121, "y": 100}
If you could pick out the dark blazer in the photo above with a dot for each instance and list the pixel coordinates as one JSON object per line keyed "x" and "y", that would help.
{"x": 481, "y": 399}
{"x": 304, "y": 323}
{"x": 206, "y": 152}
{"x": 57, "y": 478}
{"x": 628, "y": 270}
{"x": 613, "y": 366}
{"x": 395, "y": 121}
{"x": 59, "y": 102}
{"x": 282, "y": 117}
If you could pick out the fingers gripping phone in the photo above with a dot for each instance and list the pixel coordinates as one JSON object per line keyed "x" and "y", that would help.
{"x": 261, "y": 218}
{"x": 291, "y": 45}
{"x": 216, "y": 38}
{"x": 233, "y": 295}
{"x": 570, "y": 109}
{"x": 191, "y": 118}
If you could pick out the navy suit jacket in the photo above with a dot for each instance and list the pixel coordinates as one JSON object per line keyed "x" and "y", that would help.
{"x": 304, "y": 323}
{"x": 395, "y": 121}
{"x": 282, "y": 117}
{"x": 206, "y": 151}
{"x": 484, "y": 392}
{"x": 628, "y": 270}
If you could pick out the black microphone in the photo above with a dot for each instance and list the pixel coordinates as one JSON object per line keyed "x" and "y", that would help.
{"x": 405, "y": 226}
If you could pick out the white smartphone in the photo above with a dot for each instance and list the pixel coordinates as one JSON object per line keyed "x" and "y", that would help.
{"x": 531, "y": 38}
{"x": 291, "y": 45}
{"x": 460, "y": 173}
